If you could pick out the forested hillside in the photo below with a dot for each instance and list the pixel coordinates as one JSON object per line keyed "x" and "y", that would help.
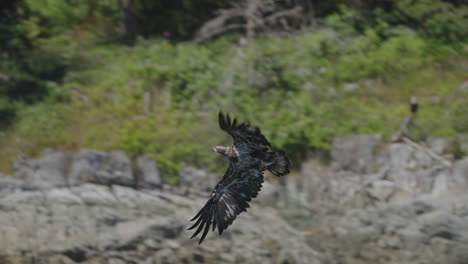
{"x": 150, "y": 76}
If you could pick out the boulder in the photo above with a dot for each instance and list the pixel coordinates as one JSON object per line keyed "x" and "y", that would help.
{"x": 148, "y": 173}
{"x": 382, "y": 190}
{"x": 49, "y": 171}
{"x": 355, "y": 153}
{"x": 415, "y": 172}
{"x": 269, "y": 192}
{"x": 424, "y": 204}
{"x": 401, "y": 157}
{"x": 401, "y": 232}
{"x": 8, "y": 182}
{"x": 442, "y": 224}
{"x": 321, "y": 215}
{"x": 198, "y": 179}
{"x": 460, "y": 173}
{"x": 438, "y": 145}
{"x": 97, "y": 224}
{"x": 442, "y": 180}
{"x": 89, "y": 166}
{"x": 461, "y": 206}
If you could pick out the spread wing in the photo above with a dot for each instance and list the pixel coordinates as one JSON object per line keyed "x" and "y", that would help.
{"x": 244, "y": 135}
{"x": 229, "y": 198}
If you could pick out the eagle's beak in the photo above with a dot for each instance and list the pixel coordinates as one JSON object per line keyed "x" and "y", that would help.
{"x": 214, "y": 149}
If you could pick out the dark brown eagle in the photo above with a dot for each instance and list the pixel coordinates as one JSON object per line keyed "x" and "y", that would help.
{"x": 248, "y": 157}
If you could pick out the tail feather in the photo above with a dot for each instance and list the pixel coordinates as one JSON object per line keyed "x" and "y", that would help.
{"x": 278, "y": 163}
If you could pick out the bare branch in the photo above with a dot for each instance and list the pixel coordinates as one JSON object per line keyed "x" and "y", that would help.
{"x": 403, "y": 135}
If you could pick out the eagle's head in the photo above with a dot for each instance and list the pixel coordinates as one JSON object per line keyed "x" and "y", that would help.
{"x": 221, "y": 150}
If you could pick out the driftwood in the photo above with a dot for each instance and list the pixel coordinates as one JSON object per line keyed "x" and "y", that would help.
{"x": 404, "y": 128}
{"x": 252, "y": 16}
{"x": 402, "y": 136}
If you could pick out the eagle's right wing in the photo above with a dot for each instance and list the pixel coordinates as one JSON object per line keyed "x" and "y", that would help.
{"x": 228, "y": 199}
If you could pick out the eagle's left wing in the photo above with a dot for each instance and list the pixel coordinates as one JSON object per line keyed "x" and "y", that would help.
{"x": 243, "y": 134}
{"x": 229, "y": 198}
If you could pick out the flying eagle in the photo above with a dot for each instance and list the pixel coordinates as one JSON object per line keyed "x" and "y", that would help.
{"x": 248, "y": 157}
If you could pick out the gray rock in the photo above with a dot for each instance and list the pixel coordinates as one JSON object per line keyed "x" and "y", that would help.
{"x": 92, "y": 223}
{"x": 401, "y": 157}
{"x": 350, "y": 86}
{"x": 392, "y": 242}
{"x": 363, "y": 234}
{"x": 102, "y": 168}
{"x": 438, "y": 145}
{"x": 315, "y": 180}
{"x": 321, "y": 210}
{"x": 461, "y": 206}
{"x": 404, "y": 180}
{"x": 116, "y": 261}
{"x": 460, "y": 173}
{"x": 382, "y": 190}
{"x": 402, "y": 232}
{"x": 80, "y": 217}
{"x": 355, "y": 153}
{"x": 95, "y": 195}
{"x": 423, "y": 205}
{"x": 415, "y": 172}
{"x": 149, "y": 175}
{"x": 49, "y": 171}
{"x": 268, "y": 193}
{"x": 458, "y": 253}
{"x": 198, "y": 179}
{"x": 442, "y": 181}
{"x": 166, "y": 256}
{"x": 85, "y": 165}
{"x": 444, "y": 225}
{"x": 411, "y": 237}
{"x": 9, "y": 184}
{"x": 119, "y": 168}
{"x": 130, "y": 234}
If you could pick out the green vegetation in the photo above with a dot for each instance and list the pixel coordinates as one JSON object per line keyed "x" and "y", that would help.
{"x": 79, "y": 88}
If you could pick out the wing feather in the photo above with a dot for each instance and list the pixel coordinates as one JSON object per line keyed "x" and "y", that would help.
{"x": 228, "y": 200}
{"x": 243, "y": 134}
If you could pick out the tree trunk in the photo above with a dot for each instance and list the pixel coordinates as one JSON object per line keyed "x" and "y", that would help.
{"x": 128, "y": 20}
{"x": 249, "y": 15}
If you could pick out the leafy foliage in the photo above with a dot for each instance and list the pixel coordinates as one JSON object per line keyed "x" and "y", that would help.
{"x": 440, "y": 20}
{"x": 77, "y": 88}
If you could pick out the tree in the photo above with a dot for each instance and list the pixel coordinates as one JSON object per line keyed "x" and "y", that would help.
{"x": 128, "y": 20}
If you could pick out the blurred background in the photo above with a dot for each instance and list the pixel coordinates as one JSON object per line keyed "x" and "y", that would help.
{"x": 108, "y": 113}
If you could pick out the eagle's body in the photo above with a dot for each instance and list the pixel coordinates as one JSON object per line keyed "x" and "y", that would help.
{"x": 248, "y": 157}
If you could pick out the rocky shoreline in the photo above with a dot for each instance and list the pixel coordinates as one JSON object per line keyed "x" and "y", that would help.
{"x": 376, "y": 203}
